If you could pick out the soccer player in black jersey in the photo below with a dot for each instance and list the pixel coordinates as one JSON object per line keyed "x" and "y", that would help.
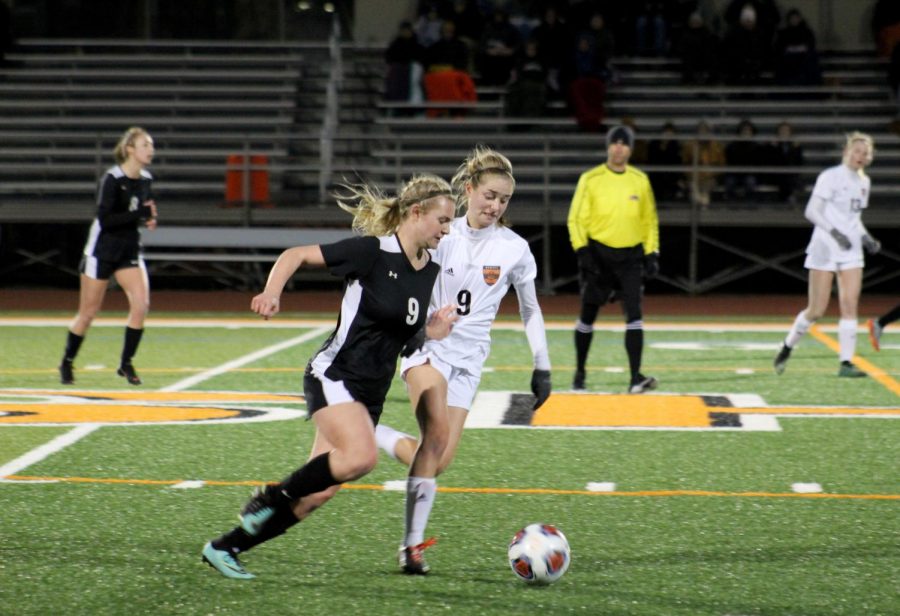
{"x": 389, "y": 275}
{"x": 113, "y": 248}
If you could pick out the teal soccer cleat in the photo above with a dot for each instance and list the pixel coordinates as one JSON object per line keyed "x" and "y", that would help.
{"x": 225, "y": 562}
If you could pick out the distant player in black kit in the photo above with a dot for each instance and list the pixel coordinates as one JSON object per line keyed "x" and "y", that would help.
{"x": 389, "y": 274}
{"x": 113, "y": 248}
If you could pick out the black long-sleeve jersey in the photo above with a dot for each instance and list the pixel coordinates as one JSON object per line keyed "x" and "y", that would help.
{"x": 115, "y": 234}
{"x": 385, "y": 303}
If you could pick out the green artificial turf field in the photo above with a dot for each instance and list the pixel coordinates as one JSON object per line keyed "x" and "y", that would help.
{"x": 729, "y": 491}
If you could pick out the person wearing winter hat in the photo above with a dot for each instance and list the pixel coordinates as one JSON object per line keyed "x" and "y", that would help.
{"x": 614, "y": 230}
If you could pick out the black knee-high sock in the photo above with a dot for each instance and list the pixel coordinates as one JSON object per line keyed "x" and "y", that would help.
{"x": 132, "y": 340}
{"x": 634, "y": 346}
{"x": 73, "y": 343}
{"x": 582, "y": 346}
{"x": 312, "y": 477}
{"x": 238, "y": 540}
{"x": 890, "y": 317}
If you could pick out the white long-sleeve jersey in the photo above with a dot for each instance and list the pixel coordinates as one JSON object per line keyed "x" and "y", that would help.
{"x": 477, "y": 268}
{"x": 837, "y": 201}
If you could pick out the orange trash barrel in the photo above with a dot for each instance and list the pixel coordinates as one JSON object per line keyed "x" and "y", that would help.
{"x": 236, "y": 173}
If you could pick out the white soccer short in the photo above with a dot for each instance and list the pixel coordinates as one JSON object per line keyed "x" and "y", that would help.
{"x": 462, "y": 385}
{"x": 819, "y": 256}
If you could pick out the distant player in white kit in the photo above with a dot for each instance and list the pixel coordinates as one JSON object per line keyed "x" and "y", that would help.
{"x": 480, "y": 259}
{"x": 836, "y": 249}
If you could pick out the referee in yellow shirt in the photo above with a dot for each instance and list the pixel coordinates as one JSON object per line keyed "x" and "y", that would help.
{"x": 614, "y": 231}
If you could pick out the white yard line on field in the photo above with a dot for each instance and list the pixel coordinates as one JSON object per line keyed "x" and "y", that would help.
{"x": 246, "y": 359}
{"x": 47, "y": 449}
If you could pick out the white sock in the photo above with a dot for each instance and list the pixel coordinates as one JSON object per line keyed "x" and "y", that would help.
{"x": 847, "y": 338}
{"x": 420, "y": 493}
{"x": 798, "y": 330}
{"x": 386, "y": 438}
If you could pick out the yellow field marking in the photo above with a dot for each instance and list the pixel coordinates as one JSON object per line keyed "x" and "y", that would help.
{"x": 158, "y": 396}
{"x": 616, "y": 411}
{"x": 863, "y": 364}
{"x": 535, "y": 491}
{"x": 112, "y": 413}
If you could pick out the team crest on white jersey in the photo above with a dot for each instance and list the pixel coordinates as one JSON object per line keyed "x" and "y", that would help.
{"x": 491, "y": 274}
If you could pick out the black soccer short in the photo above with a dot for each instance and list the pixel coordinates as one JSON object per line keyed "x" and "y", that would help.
{"x": 319, "y": 395}
{"x": 98, "y": 269}
{"x": 615, "y": 270}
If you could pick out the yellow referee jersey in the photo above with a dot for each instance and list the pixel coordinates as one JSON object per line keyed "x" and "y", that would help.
{"x": 616, "y": 209}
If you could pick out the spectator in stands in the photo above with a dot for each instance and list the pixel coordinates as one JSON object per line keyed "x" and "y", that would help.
{"x": 835, "y": 252}
{"x": 886, "y": 26}
{"x": 765, "y": 12}
{"x": 497, "y": 49}
{"x": 704, "y": 151}
{"x": 448, "y": 53}
{"x": 404, "y": 58}
{"x": 555, "y": 46}
{"x": 698, "y": 49}
{"x": 786, "y": 152}
{"x": 469, "y": 25}
{"x": 665, "y": 151}
{"x": 746, "y": 50}
{"x": 586, "y": 86}
{"x": 651, "y": 32}
{"x": 743, "y": 152}
{"x": 526, "y": 95}
{"x": 113, "y": 249}
{"x": 796, "y": 58}
{"x": 428, "y": 25}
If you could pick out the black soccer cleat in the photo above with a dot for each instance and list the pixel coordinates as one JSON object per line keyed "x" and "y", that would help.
{"x": 127, "y": 370}
{"x": 782, "y": 358}
{"x": 642, "y": 383}
{"x": 578, "y": 381}
{"x": 66, "y": 374}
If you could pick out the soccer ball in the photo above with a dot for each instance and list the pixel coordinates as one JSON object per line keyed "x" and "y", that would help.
{"x": 539, "y": 554}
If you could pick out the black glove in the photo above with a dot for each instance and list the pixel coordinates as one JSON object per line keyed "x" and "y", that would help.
{"x": 540, "y": 387}
{"x": 842, "y": 240}
{"x": 651, "y": 265}
{"x": 871, "y": 245}
{"x": 585, "y": 259}
{"x": 414, "y": 344}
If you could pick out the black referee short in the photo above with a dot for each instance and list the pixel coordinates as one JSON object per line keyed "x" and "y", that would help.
{"x": 615, "y": 270}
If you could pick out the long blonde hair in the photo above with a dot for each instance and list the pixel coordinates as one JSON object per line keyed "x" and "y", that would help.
{"x": 120, "y": 152}
{"x": 481, "y": 163}
{"x": 377, "y": 214}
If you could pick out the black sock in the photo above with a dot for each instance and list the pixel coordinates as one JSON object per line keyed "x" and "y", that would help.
{"x": 238, "y": 540}
{"x": 73, "y": 343}
{"x": 634, "y": 346}
{"x": 582, "y": 346}
{"x": 132, "y": 340}
{"x": 312, "y": 477}
{"x": 890, "y": 317}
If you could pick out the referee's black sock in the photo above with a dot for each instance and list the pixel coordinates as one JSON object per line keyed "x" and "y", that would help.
{"x": 132, "y": 340}
{"x": 582, "y": 346}
{"x": 73, "y": 343}
{"x": 634, "y": 346}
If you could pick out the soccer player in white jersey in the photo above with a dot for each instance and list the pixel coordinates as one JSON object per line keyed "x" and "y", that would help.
{"x": 480, "y": 259}
{"x": 836, "y": 249}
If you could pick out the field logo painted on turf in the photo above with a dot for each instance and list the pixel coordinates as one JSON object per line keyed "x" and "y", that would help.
{"x": 598, "y": 411}
{"x": 25, "y": 407}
